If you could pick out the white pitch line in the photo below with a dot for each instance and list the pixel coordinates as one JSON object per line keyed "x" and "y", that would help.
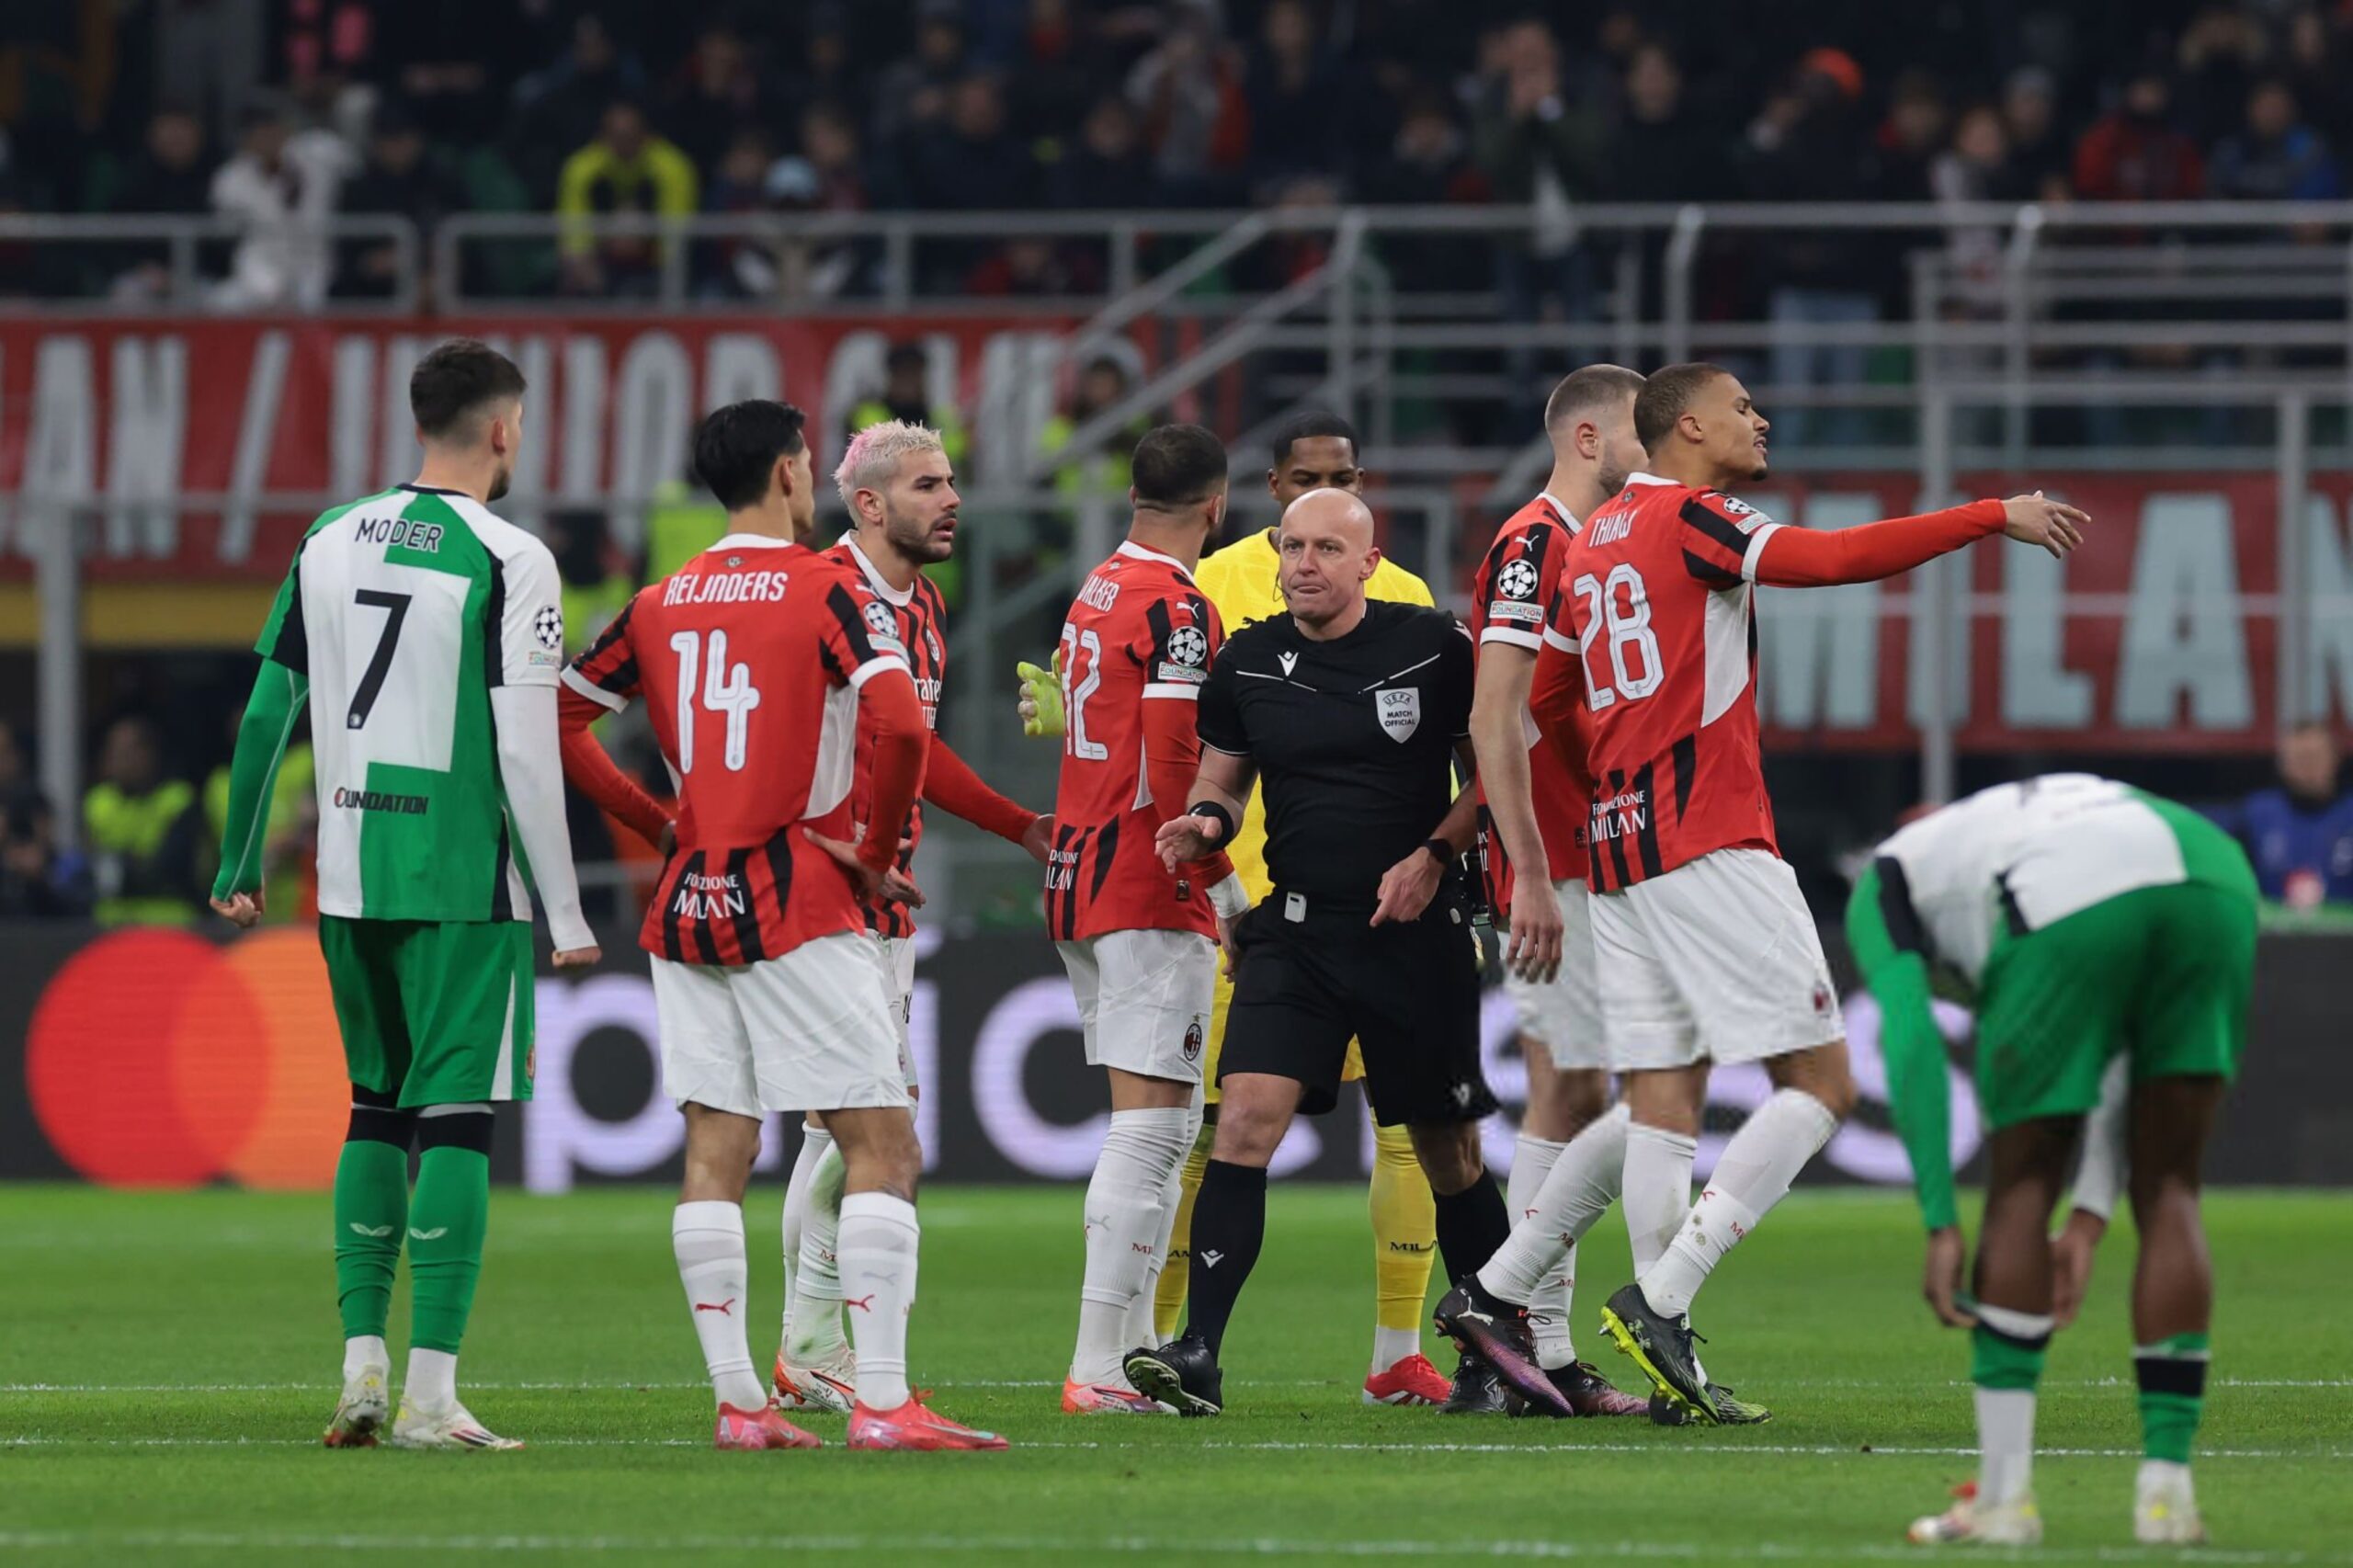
{"x": 1260, "y": 1546}
{"x": 630, "y": 1385}
{"x": 1735, "y": 1451}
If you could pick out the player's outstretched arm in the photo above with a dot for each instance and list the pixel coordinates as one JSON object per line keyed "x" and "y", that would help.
{"x": 1800, "y": 558}
{"x": 893, "y": 715}
{"x": 950, "y": 784}
{"x": 277, "y": 702}
{"x": 1507, "y": 673}
{"x": 1222, "y": 782}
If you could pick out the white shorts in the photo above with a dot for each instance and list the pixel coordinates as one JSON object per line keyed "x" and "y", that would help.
{"x": 813, "y": 1029}
{"x": 1717, "y": 959}
{"x": 1144, "y": 999}
{"x": 1564, "y": 1013}
{"x": 899, "y": 959}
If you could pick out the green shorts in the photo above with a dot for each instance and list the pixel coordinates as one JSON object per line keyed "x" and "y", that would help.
{"x": 2161, "y": 974}
{"x": 433, "y": 1012}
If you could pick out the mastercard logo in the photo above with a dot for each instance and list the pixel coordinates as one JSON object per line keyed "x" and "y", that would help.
{"x": 159, "y": 1059}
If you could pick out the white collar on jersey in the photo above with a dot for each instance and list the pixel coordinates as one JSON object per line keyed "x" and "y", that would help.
{"x": 1649, "y": 479}
{"x": 875, "y": 580}
{"x": 1554, "y": 501}
{"x": 1135, "y": 551}
{"x": 751, "y": 541}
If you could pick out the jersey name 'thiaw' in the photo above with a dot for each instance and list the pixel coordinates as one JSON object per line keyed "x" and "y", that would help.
{"x": 728, "y": 588}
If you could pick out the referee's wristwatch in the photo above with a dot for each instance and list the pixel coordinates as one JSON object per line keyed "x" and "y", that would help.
{"x": 1440, "y": 850}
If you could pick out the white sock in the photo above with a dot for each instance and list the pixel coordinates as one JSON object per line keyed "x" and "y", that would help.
{"x": 877, "y": 1283}
{"x": 432, "y": 1379}
{"x": 1539, "y": 1260}
{"x": 1754, "y": 1175}
{"x": 707, "y": 1238}
{"x": 2006, "y": 1445}
{"x": 1390, "y": 1345}
{"x": 1126, "y": 1202}
{"x": 813, "y": 1328}
{"x": 1658, "y": 1189}
{"x": 2159, "y": 1475}
{"x": 1548, "y": 1308}
{"x": 362, "y": 1351}
{"x": 814, "y": 1142}
{"x": 1139, "y": 1328}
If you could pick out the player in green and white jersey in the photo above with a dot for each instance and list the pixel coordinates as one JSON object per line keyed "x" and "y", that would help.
{"x": 2086, "y": 922}
{"x": 425, "y": 637}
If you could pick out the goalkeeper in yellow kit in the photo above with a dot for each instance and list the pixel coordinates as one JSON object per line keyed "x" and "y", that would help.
{"x": 1312, "y": 452}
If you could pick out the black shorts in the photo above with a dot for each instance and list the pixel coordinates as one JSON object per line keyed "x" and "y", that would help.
{"x": 1408, "y": 993}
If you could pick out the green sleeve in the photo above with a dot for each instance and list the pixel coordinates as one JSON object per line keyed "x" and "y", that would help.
{"x": 1919, "y": 1092}
{"x": 277, "y": 699}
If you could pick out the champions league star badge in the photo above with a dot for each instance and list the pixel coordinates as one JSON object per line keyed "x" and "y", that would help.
{"x": 1399, "y": 708}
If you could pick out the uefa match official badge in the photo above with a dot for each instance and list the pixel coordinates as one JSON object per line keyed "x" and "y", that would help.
{"x": 1399, "y": 708}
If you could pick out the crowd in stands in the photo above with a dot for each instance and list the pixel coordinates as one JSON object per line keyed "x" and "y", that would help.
{"x": 275, "y": 113}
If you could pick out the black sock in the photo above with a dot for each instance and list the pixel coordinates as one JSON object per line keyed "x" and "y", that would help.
{"x": 1472, "y": 1224}
{"x": 1229, "y": 1221}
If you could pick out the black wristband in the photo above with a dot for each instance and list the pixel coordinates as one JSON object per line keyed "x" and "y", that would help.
{"x": 1442, "y": 849}
{"x": 1216, "y": 813}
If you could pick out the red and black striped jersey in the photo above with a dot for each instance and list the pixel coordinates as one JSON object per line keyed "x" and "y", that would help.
{"x": 1139, "y": 633}
{"x": 750, "y": 658}
{"x": 923, "y": 632}
{"x": 1516, "y": 586}
{"x": 1658, "y": 590}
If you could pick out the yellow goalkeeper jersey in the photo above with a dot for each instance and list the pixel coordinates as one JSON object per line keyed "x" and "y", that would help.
{"x": 1241, "y": 580}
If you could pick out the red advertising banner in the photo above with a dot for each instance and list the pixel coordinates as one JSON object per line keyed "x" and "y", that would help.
{"x": 2161, "y": 634}
{"x": 145, "y": 417}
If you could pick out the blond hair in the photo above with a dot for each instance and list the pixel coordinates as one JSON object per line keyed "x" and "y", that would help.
{"x": 871, "y": 459}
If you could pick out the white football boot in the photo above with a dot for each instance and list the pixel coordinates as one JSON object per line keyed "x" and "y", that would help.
{"x": 359, "y": 1413}
{"x": 2016, "y": 1523}
{"x": 452, "y": 1427}
{"x": 2164, "y": 1507}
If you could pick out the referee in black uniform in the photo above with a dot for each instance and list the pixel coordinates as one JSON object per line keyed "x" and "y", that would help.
{"x": 1353, "y": 714}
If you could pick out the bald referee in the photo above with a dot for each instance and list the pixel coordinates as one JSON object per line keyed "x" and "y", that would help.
{"x": 1352, "y": 715}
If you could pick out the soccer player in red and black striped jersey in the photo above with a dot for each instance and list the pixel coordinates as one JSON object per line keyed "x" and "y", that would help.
{"x": 757, "y": 662}
{"x": 1565, "y": 1166}
{"x": 899, "y": 488}
{"x": 1139, "y": 940}
{"x": 1705, "y": 951}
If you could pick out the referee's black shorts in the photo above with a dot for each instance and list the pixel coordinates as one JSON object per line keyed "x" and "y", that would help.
{"x": 1312, "y": 976}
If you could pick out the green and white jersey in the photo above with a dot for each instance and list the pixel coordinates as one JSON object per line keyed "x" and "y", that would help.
{"x": 404, "y": 611}
{"x": 2022, "y": 856}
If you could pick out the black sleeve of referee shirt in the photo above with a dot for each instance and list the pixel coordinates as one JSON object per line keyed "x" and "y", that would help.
{"x": 1458, "y": 678}
{"x": 1219, "y": 719}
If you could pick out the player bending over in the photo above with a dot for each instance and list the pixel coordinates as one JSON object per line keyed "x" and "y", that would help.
{"x": 754, "y": 660}
{"x": 1704, "y": 948}
{"x": 426, "y": 635}
{"x": 2086, "y": 921}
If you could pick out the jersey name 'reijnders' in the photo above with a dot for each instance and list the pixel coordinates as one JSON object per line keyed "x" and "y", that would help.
{"x": 1658, "y": 589}
{"x": 1354, "y": 740}
{"x": 749, "y": 657}
{"x": 403, "y": 610}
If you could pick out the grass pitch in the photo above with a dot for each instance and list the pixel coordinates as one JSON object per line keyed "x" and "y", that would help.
{"x": 167, "y": 1361}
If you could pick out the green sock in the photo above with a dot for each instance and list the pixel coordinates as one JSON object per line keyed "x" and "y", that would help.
{"x": 446, "y": 1223}
{"x": 371, "y": 1213}
{"x": 2172, "y": 1374}
{"x": 1999, "y": 1360}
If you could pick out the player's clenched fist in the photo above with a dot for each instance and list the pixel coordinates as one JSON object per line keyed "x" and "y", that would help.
{"x": 2035, "y": 520}
{"x": 1041, "y": 698}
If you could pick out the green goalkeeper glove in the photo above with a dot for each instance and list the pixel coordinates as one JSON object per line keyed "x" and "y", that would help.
{"x": 1041, "y": 698}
